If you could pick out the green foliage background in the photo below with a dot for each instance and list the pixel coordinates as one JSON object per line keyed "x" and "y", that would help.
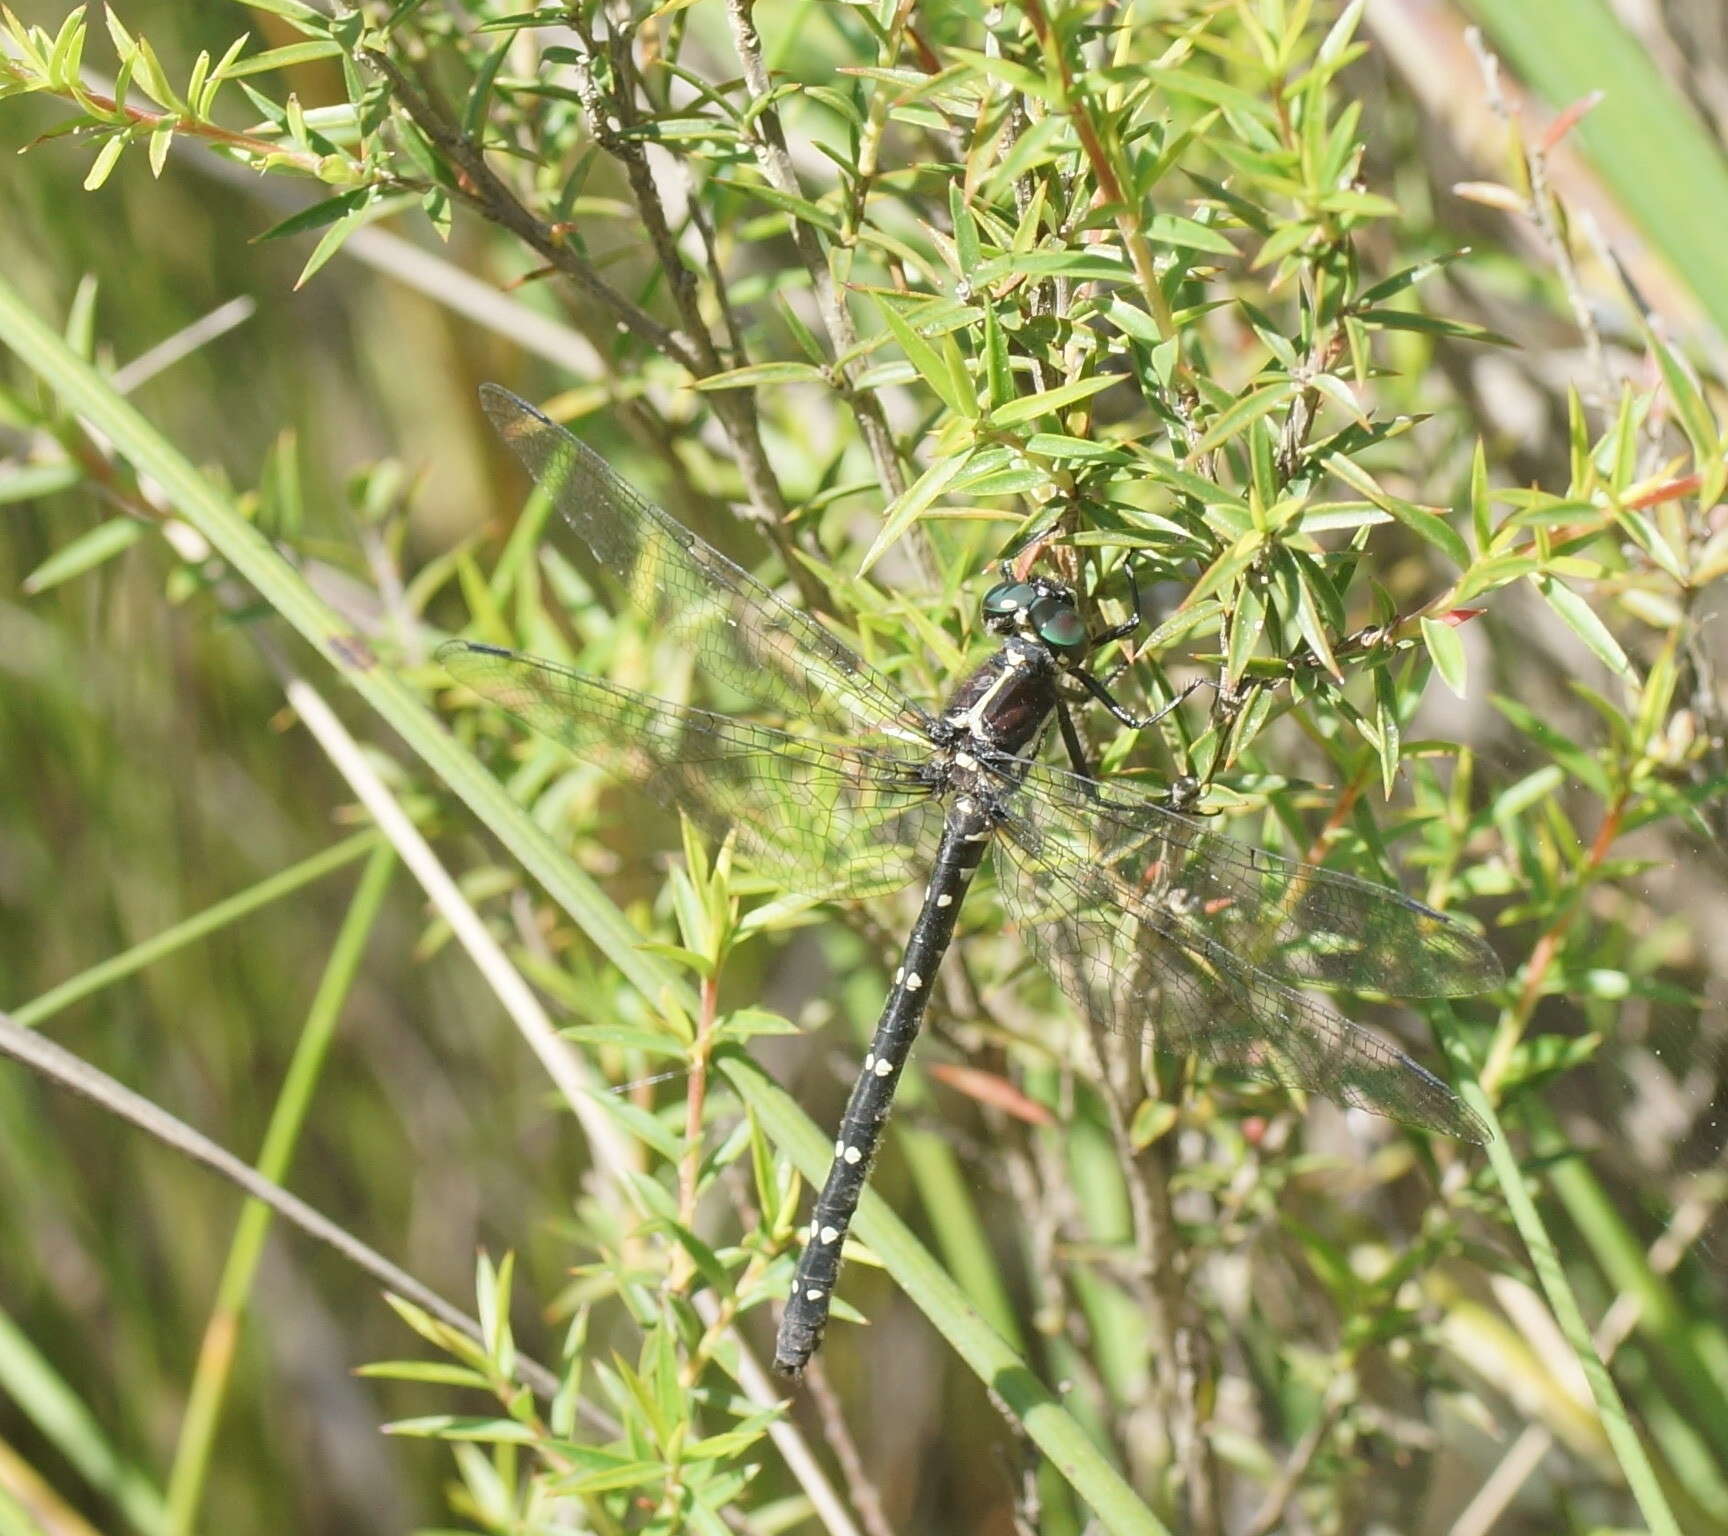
{"x": 870, "y": 297}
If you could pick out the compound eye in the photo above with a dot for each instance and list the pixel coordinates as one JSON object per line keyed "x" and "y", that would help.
{"x": 1058, "y": 625}
{"x": 1008, "y": 598}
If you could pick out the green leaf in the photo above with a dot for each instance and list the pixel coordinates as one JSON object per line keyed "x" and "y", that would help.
{"x": 1153, "y": 1119}
{"x": 799, "y": 207}
{"x": 1184, "y": 82}
{"x": 1090, "y": 265}
{"x": 1029, "y": 407}
{"x": 1446, "y": 647}
{"x": 627, "y": 1474}
{"x": 1481, "y": 506}
{"x": 763, "y": 373}
{"x": 645, "y": 1040}
{"x": 1188, "y": 234}
{"x": 318, "y": 214}
{"x": 1700, "y": 426}
{"x": 89, "y": 550}
{"x": 1312, "y": 628}
{"x": 1226, "y": 568}
{"x": 1581, "y": 619}
{"x": 106, "y": 159}
{"x": 1427, "y": 525}
{"x": 1241, "y": 412}
{"x": 153, "y": 80}
{"x": 284, "y": 58}
{"x": 929, "y": 363}
{"x": 436, "y": 1372}
{"x": 1339, "y": 390}
{"x": 25, "y": 482}
{"x": 479, "y": 100}
{"x": 1058, "y": 445}
{"x": 1247, "y": 624}
{"x": 303, "y": 16}
{"x": 450, "y": 1426}
{"x": 1184, "y": 481}
{"x": 906, "y": 508}
{"x": 1017, "y": 77}
{"x": 997, "y": 371}
{"x": 1408, "y": 278}
{"x": 348, "y": 224}
{"x": 161, "y": 141}
{"x": 1430, "y": 325}
{"x": 1388, "y": 733}
{"x": 966, "y": 243}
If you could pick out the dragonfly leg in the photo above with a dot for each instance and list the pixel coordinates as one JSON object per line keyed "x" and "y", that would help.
{"x": 1127, "y": 627}
{"x": 1133, "y": 721}
{"x": 1071, "y": 741}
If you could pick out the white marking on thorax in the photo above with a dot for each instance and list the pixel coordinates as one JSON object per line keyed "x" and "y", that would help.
{"x": 972, "y": 720}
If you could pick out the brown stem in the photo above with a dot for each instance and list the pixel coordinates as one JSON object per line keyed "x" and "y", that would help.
{"x": 695, "y": 1101}
{"x": 1547, "y": 948}
{"x": 486, "y": 193}
{"x": 769, "y": 142}
{"x": 194, "y": 127}
{"x": 1182, "y": 1352}
{"x": 860, "y": 1487}
{"x": 481, "y": 189}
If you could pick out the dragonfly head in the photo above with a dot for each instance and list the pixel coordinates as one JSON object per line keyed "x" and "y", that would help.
{"x": 1041, "y": 609}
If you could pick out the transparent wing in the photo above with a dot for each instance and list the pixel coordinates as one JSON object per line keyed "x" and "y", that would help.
{"x": 830, "y": 821}
{"x": 1294, "y": 921}
{"x": 740, "y": 630}
{"x": 1145, "y": 955}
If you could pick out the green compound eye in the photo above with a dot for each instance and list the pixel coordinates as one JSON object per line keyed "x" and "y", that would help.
{"x": 1006, "y": 598}
{"x": 1058, "y": 625}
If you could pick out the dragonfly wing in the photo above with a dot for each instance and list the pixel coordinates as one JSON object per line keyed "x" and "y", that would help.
{"x": 743, "y": 632}
{"x": 1294, "y": 921}
{"x": 1135, "y": 965}
{"x": 830, "y": 821}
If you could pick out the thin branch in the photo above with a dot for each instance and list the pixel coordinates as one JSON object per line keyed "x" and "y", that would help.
{"x": 486, "y": 193}
{"x": 60, "y": 1066}
{"x": 866, "y": 1499}
{"x": 611, "y": 116}
{"x": 693, "y": 348}
{"x": 1546, "y": 211}
{"x": 1182, "y": 1367}
{"x": 769, "y": 142}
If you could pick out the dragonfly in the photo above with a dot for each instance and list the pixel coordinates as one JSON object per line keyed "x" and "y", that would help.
{"x": 1153, "y": 923}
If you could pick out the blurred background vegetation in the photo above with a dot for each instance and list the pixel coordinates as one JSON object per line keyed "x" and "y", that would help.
{"x": 872, "y": 234}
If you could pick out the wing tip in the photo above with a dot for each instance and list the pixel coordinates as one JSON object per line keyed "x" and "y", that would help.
{"x": 1440, "y": 1108}
{"x": 511, "y": 414}
{"x": 1453, "y": 961}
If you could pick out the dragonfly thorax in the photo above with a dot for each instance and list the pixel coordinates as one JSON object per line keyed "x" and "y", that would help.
{"x": 1002, "y": 706}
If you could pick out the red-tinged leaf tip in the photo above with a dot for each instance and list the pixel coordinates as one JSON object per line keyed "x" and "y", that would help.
{"x": 1668, "y": 490}
{"x": 988, "y": 1088}
{"x": 1028, "y": 557}
{"x": 1569, "y": 119}
{"x": 1460, "y": 616}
